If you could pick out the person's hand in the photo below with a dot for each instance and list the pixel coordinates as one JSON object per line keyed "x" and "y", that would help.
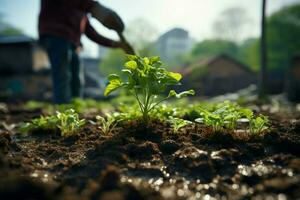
{"x": 108, "y": 18}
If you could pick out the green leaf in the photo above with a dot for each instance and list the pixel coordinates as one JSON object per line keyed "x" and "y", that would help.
{"x": 113, "y": 77}
{"x": 25, "y": 127}
{"x": 131, "y": 57}
{"x": 114, "y": 83}
{"x": 154, "y": 59}
{"x": 174, "y": 75}
{"x": 127, "y": 72}
{"x": 132, "y": 65}
{"x": 245, "y": 112}
{"x": 172, "y": 93}
{"x": 146, "y": 60}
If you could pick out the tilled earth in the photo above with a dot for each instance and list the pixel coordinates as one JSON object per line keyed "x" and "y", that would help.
{"x": 148, "y": 163}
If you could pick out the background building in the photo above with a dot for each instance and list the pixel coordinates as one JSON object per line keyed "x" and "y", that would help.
{"x": 173, "y": 44}
{"x": 217, "y": 75}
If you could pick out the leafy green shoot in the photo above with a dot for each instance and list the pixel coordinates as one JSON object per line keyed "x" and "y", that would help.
{"x": 108, "y": 124}
{"x": 146, "y": 80}
{"x": 178, "y": 123}
{"x": 258, "y": 124}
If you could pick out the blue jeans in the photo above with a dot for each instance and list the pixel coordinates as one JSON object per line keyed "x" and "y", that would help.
{"x": 66, "y": 69}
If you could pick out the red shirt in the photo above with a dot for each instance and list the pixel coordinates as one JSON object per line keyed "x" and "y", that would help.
{"x": 67, "y": 19}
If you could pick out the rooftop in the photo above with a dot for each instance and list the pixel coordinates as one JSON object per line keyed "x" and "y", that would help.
{"x": 15, "y": 39}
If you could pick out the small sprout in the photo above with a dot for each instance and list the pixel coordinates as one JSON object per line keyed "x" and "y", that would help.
{"x": 212, "y": 119}
{"x": 178, "y": 123}
{"x": 25, "y": 127}
{"x": 68, "y": 122}
{"x": 258, "y": 125}
{"x": 108, "y": 124}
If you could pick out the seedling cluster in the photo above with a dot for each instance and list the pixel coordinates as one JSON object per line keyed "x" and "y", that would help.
{"x": 67, "y": 122}
{"x": 228, "y": 116}
{"x": 147, "y": 80}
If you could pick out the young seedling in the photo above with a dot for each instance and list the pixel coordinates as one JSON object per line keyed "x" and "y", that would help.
{"x": 212, "y": 119}
{"x": 146, "y": 79}
{"x": 258, "y": 124}
{"x": 178, "y": 123}
{"x": 69, "y": 122}
{"x": 108, "y": 124}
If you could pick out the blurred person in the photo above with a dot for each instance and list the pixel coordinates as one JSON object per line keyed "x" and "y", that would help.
{"x": 61, "y": 24}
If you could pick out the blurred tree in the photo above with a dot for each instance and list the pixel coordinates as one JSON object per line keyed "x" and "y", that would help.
{"x": 10, "y": 31}
{"x": 213, "y": 47}
{"x": 283, "y": 32}
{"x": 6, "y": 29}
{"x": 249, "y": 53}
{"x": 141, "y": 34}
{"x": 231, "y": 24}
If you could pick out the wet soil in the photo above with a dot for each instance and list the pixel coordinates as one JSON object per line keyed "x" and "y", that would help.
{"x": 138, "y": 162}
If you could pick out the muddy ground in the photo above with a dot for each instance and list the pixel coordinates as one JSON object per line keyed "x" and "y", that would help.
{"x": 148, "y": 163}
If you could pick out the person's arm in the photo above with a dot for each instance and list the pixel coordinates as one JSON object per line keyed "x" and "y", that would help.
{"x": 109, "y": 18}
{"x": 93, "y": 35}
{"x": 82, "y": 5}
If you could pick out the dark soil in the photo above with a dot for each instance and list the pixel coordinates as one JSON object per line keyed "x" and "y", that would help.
{"x": 148, "y": 163}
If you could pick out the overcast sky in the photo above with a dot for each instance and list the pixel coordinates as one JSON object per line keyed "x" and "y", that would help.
{"x": 196, "y": 16}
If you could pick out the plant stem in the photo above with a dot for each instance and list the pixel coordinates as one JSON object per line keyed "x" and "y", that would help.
{"x": 146, "y": 106}
{"x": 153, "y": 106}
{"x": 139, "y": 101}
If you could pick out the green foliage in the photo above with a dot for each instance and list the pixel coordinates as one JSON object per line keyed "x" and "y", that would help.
{"x": 208, "y": 48}
{"x": 282, "y": 42}
{"x": 283, "y": 32}
{"x": 77, "y": 104}
{"x": 44, "y": 123}
{"x": 218, "y": 116}
{"x": 108, "y": 124}
{"x": 11, "y": 31}
{"x": 67, "y": 122}
{"x": 32, "y": 105}
{"x": 227, "y": 115}
{"x": 7, "y": 29}
{"x": 258, "y": 124}
{"x": 164, "y": 111}
{"x": 146, "y": 79}
{"x": 178, "y": 123}
{"x": 249, "y": 53}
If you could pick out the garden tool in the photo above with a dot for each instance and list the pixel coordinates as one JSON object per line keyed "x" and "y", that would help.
{"x": 128, "y": 47}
